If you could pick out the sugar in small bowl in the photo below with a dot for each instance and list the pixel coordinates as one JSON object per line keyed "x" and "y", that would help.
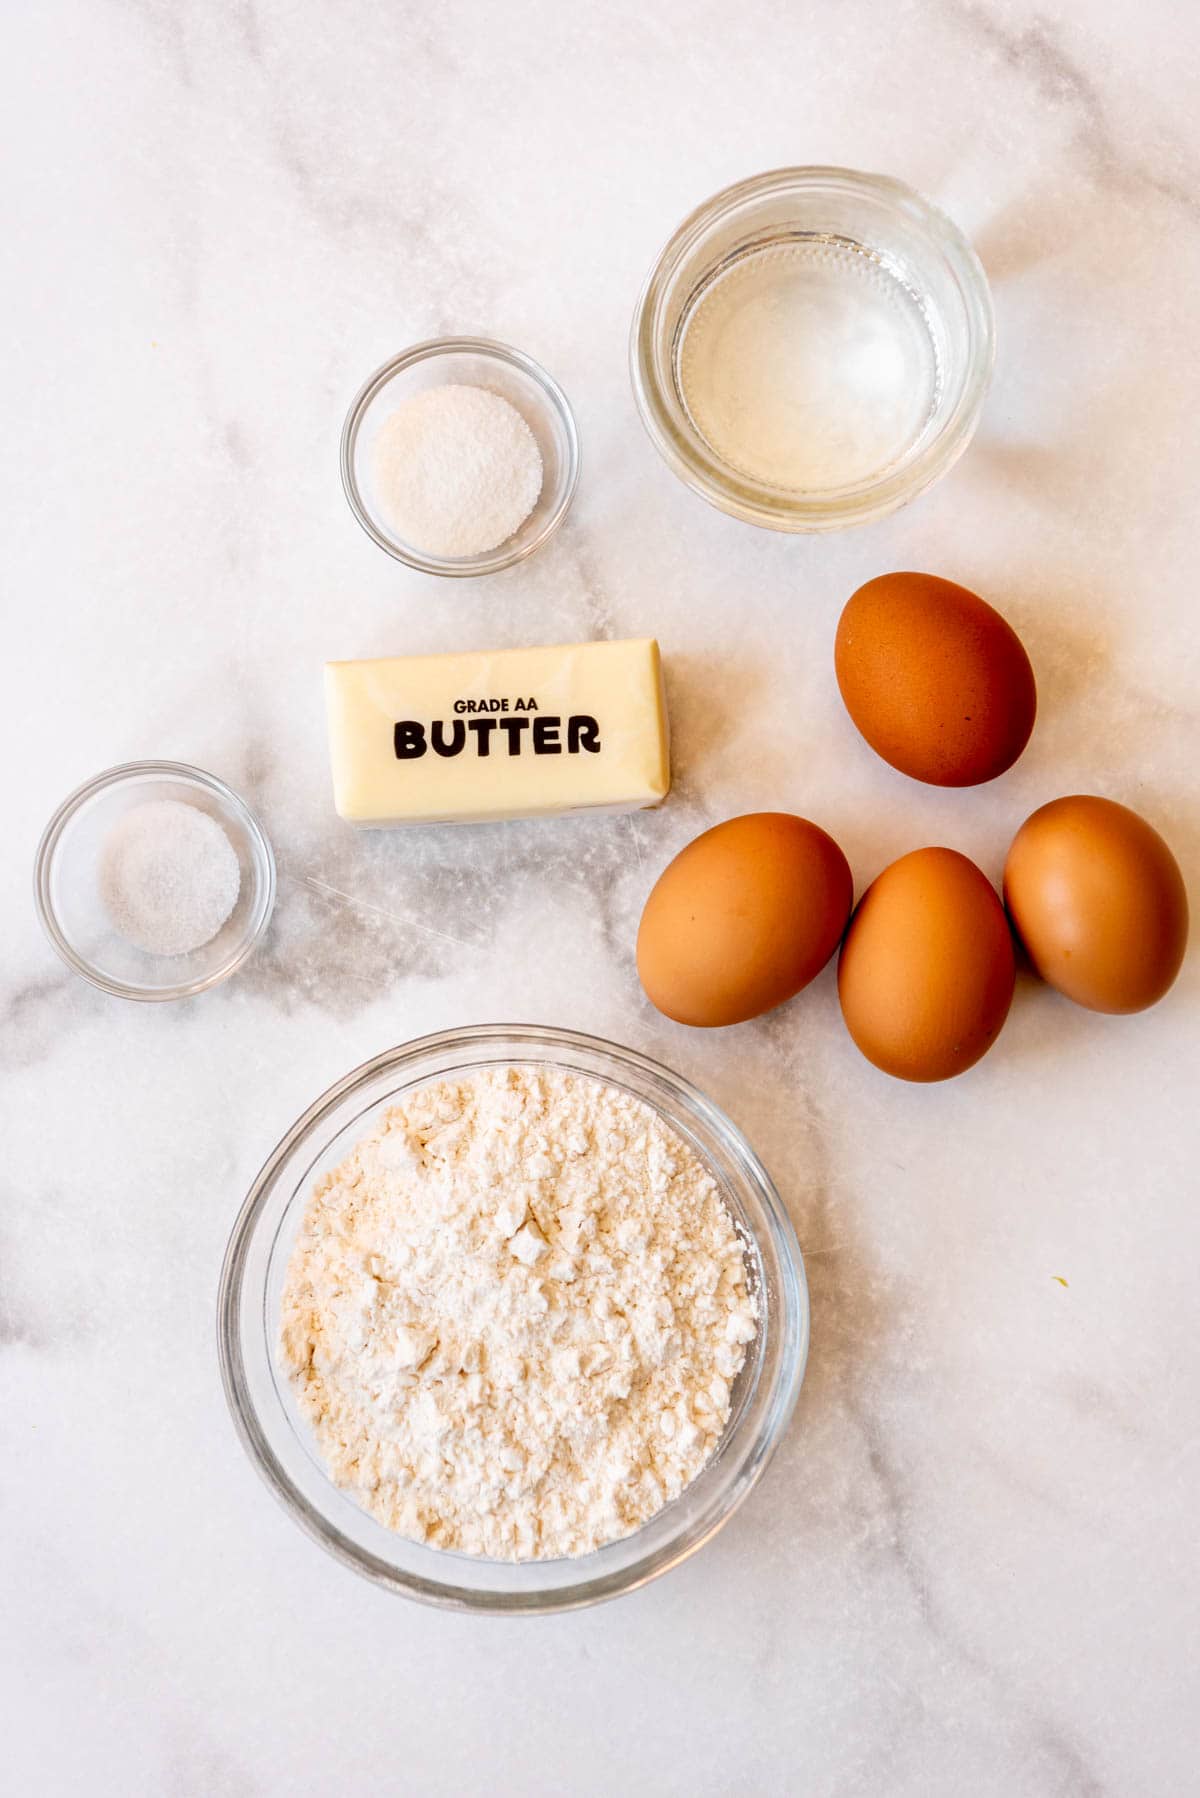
{"x": 154, "y": 881}
{"x": 460, "y": 456}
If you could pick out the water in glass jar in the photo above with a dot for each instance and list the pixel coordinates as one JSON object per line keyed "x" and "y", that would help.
{"x": 807, "y": 364}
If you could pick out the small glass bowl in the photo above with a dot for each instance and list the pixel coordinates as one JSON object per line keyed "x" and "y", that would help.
{"x": 868, "y": 231}
{"x": 279, "y": 1441}
{"x": 474, "y": 362}
{"x": 67, "y": 891}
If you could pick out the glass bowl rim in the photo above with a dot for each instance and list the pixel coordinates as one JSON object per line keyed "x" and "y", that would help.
{"x": 792, "y": 1320}
{"x": 690, "y": 459}
{"x": 186, "y": 775}
{"x": 511, "y": 551}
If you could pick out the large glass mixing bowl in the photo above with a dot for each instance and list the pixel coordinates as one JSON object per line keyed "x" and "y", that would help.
{"x": 279, "y": 1442}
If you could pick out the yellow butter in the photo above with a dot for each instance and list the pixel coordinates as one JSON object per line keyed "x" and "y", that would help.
{"x": 509, "y": 733}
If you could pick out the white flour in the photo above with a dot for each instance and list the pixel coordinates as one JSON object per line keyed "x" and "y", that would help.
{"x": 514, "y": 1313}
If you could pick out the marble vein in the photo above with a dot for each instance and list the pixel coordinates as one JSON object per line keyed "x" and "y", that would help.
{"x": 1036, "y": 52}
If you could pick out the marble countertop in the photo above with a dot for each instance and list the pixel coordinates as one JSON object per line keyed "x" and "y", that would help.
{"x": 971, "y": 1569}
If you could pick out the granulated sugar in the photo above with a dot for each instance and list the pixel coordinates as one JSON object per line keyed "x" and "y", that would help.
{"x": 514, "y": 1314}
{"x": 169, "y": 877}
{"x": 458, "y": 470}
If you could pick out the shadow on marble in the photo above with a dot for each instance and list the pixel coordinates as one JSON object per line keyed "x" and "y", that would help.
{"x": 1077, "y": 472}
{"x": 709, "y": 700}
{"x": 822, "y": 1487}
{"x": 355, "y": 906}
{"x": 857, "y": 1317}
{"x": 1030, "y": 231}
{"x": 1069, "y": 650}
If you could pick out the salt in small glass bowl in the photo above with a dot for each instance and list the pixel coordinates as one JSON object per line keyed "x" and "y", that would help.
{"x": 865, "y": 229}
{"x": 279, "y": 1440}
{"x": 67, "y": 888}
{"x": 470, "y": 362}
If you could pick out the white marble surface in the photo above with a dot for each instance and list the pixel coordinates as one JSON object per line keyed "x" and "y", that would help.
{"x": 972, "y": 1568}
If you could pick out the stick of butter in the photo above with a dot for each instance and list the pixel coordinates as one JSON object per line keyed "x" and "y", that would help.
{"x": 510, "y": 733}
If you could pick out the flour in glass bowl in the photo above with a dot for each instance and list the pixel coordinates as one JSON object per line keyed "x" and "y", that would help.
{"x": 513, "y": 1315}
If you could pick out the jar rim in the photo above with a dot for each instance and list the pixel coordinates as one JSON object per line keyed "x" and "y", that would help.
{"x": 651, "y": 355}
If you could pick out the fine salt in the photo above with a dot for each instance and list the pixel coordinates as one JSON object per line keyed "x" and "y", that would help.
{"x": 169, "y": 877}
{"x": 458, "y": 470}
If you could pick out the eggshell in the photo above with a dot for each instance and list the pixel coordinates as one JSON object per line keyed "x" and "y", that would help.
{"x": 1098, "y": 902}
{"x": 926, "y": 971}
{"x": 743, "y": 918}
{"x": 938, "y": 682}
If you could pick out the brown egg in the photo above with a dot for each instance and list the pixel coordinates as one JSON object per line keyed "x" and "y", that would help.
{"x": 937, "y": 682}
{"x": 1098, "y": 902}
{"x": 743, "y": 918}
{"x": 926, "y": 971}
